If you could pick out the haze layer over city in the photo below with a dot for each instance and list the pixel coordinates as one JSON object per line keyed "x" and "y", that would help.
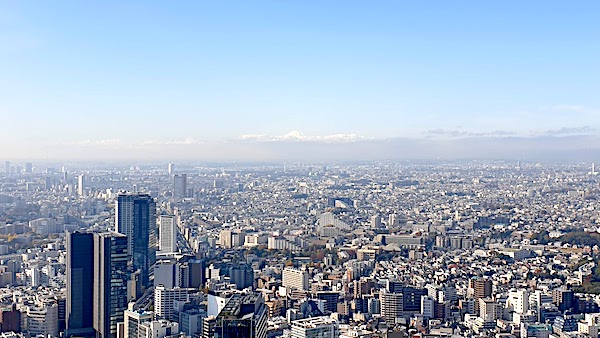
{"x": 294, "y": 169}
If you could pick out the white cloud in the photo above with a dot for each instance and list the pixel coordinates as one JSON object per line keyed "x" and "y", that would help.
{"x": 185, "y": 141}
{"x": 568, "y": 131}
{"x": 105, "y": 142}
{"x": 462, "y": 133}
{"x": 298, "y": 136}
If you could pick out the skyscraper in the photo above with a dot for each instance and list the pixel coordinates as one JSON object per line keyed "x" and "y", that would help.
{"x": 7, "y": 167}
{"x": 136, "y": 218}
{"x": 80, "y": 279}
{"x": 171, "y": 168}
{"x": 167, "y": 234}
{"x": 180, "y": 185}
{"x": 80, "y": 185}
{"x": 111, "y": 275}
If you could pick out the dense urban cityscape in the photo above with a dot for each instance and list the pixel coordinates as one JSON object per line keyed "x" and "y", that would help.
{"x": 381, "y": 249}
{"x": 299, "y": 169}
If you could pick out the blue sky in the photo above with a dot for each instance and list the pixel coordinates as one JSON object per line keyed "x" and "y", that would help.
{"x": 84, "y": 72}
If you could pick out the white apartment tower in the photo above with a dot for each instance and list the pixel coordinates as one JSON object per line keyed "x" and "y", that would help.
{"x": 225, "y": 239}
{"x": 295, "y": 279}
{"x": 428, "y": 307}
{"x": 167, "y": 234}
{"x": 164, "y": 299}
{"x": 80, "y": 185}
{"x": 392, "y": 306}
{"x": 134, "y": 320}
{"x": 518, "y": 300}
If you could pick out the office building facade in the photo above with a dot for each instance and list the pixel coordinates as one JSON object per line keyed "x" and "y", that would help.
{"x": 80, "y": 279}
{"x": 111, "y": 274}
{"x": 241, "y": 275}
{"x": 295, "y": 279}
{"x": 180, "y": 185}
{"x": 167, "y": 234}
{"x": 136, "y": 218}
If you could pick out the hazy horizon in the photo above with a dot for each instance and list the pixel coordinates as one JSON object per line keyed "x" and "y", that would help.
{"x": 517, "y": 148}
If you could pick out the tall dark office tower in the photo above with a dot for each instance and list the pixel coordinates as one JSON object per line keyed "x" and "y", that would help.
{"x": 136, "y": 218}
{"x": 180, "y": 185}
{"x": 80, "y": 278}
{"x": 110, "y": 283}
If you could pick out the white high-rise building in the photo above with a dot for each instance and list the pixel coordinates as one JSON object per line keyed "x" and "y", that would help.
{"x": 322, "y": 327}
{"x": 134, "y": 319}
{"x": 164, "y": 299}
{"x": 167, "y": 234}
{"x": 81, "y": 185}
{"x": 518, "y": 300}
{"x": 393, "y": 220}
{"x": 392, "y": 306}
{"x": 225, "y": 239}
{"x": 42, "y": 319}
{"x": 428, "y": 307}
{"x": 295, "y": 279}
{"x": 171, "y": 168}
{"x": 375, "y": 221}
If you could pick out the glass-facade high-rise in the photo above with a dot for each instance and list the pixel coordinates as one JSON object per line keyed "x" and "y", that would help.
{"x": 136, "y": 218}
{"x": 80, "y": 278}
{"x": 111, "y": 274}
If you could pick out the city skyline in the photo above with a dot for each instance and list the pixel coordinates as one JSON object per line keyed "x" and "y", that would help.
{"x": 107, "y": 81}
{"x": 347, "y": 250}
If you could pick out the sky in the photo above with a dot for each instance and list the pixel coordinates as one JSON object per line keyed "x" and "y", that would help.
{"x": 194, "y": 79}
